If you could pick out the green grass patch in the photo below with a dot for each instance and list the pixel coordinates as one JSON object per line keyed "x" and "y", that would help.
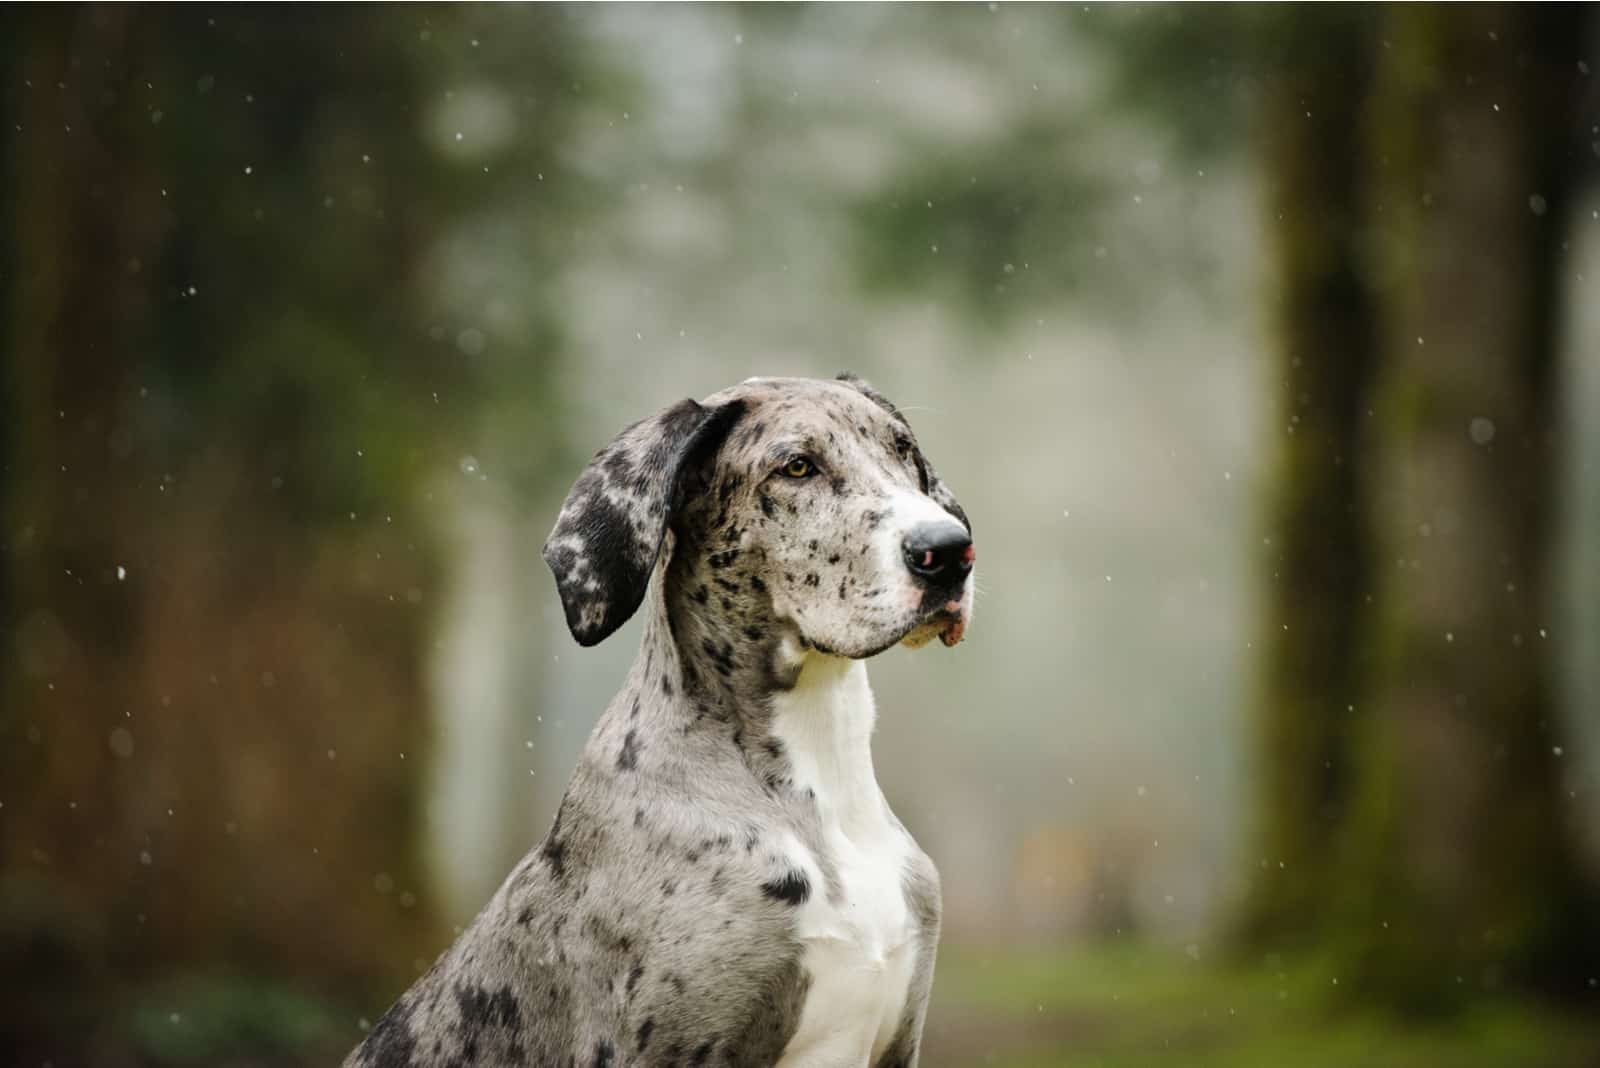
{"x": 1124, "y": 1006}
{"x": 219, "y": 1019}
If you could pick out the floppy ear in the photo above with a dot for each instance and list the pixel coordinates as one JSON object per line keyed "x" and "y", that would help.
{"x": 606, "y": 540}
{"x": 932, "y": 485}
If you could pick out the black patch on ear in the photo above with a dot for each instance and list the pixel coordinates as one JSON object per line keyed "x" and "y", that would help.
{"x": 608, "y": 536}
{"x": 931, "y": 483}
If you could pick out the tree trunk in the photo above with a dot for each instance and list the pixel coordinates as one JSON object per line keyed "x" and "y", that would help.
{"x": 1313, "y": 138}
{"x": 1461, "y": 868}
{"x": 210, "y": 700}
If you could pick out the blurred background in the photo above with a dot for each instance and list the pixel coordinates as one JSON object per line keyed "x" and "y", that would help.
{"x": 1261, "y": 344}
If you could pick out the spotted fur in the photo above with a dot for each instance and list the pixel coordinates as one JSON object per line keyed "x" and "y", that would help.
{"x": 654, "y": 925}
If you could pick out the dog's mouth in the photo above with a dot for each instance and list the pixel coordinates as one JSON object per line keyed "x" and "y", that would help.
{"x": 947, "y": 622}
{"x": 951, "y": 618}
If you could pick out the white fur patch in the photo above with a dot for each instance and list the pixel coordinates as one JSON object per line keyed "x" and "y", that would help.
{"x": 859, "y": 951}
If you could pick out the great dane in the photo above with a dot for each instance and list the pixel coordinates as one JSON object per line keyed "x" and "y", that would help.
{"x": 724, "y": 883}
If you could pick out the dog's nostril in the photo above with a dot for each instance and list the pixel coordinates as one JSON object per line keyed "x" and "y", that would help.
{"x": 938, "y": 551}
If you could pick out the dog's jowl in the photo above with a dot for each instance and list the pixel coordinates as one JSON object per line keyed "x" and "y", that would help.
{"x": 724, "y": 883}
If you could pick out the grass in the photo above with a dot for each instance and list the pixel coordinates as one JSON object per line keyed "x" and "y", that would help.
{"x": 1126, "y": 1006}
{"x": 1121, "y": 1006}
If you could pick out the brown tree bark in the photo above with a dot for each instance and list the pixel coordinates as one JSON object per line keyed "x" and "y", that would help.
{"x": 205, "y": 701}
{"x": 1313, "y": 136}
{"x": 1461, "y": 870}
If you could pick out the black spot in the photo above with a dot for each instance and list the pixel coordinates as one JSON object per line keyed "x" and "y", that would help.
{"x": 638, "y": 816}
{"x": 766, "y": 507}
{"x": 701, "y": 596}
{"x": 525, "y": 917}
{"x": 645, "y": 1029}
{"x": 603, "y": 1054}
{"x": 554, "y": 854}
{"x": 391, "y": 1044}
{"x": 633, "y": 978}
{"x": 792, "y": 888}
{"x": 757, "y": 585}
{"x": 723, "y": 559}
{"x": 666, "y": 686}
{"x": 753, "y": 633}
{"x": 811, "y": 579}
{"x": 479, "y": 1008}
{"x": 628, "y": 758}
{"x": 774, "y": 748}
{"x": 702, "y": 1052}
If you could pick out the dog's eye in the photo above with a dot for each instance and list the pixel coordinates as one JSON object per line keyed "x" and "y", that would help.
{"x": 799, "y": 467}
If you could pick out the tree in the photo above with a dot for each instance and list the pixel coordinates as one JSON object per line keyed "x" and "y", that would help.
{"x": 1461, "y": 867}
{"x": 1312, "y": 128}
{"x": 222, "y": 407}
{"x": 1420, "y": 167}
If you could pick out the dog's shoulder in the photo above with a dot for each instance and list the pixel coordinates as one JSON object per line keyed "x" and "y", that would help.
{"x": 638, "y": 926}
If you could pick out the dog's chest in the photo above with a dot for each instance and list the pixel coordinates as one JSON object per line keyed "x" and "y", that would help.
{"x": 855, "y": 925}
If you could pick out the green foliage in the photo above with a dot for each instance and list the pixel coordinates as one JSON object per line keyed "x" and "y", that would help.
{"x": 302, "y": 200}
{"x": 1027, "y": 214}
{"x": 999, "y": 236}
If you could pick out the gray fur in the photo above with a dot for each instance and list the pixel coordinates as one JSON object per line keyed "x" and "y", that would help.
{"x": 653, "y": 925}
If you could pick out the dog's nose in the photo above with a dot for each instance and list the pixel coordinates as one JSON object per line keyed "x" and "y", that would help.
{"x": 939, "y": 553}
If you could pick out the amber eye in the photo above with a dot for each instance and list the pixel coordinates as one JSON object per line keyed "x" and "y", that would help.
{"x": 799, "y": 467}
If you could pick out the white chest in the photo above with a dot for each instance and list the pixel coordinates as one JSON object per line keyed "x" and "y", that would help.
{"x": 860, "y": 950}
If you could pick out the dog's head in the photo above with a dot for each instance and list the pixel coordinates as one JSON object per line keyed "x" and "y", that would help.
{"x": 799, "y": 504}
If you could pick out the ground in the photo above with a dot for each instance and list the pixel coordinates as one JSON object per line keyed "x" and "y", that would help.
{"x": 1125, "y": 1006}
{"x": 1121, "y": 1007}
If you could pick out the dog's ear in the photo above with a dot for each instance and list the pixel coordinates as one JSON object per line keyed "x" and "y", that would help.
{"x": 932, "y": 485}
{"x": 606, "y": 540}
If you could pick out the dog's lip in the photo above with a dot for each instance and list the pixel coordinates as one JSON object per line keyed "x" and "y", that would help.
{"x": 954, "y": 618}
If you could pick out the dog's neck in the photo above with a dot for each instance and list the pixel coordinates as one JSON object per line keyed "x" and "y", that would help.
{"x": 824, "y": 724}
{"x": 802, "y": 718}
{"x": 714, "y": 638}
{"x": 714, "y": 651}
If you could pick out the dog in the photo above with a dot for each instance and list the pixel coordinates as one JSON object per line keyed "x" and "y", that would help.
{"x": 724, "y": 883}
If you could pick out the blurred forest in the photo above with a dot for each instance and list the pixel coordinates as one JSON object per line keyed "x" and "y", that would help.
{"x": 1261, "y": 343}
